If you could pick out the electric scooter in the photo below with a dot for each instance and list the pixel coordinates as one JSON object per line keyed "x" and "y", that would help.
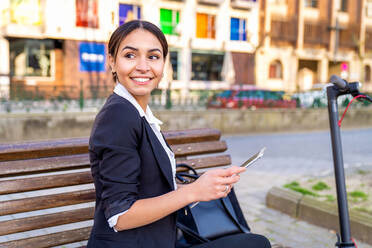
{"x": 336, "y": 88}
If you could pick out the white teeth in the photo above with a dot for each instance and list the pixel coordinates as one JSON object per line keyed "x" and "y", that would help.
{"x": 141, "y": 79}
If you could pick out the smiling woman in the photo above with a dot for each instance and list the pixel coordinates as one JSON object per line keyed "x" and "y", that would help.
{"x": 132, "y": 166}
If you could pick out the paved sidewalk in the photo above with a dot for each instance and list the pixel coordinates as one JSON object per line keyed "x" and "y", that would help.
{"x": 278, "y": 227}
{"x": 290, "y": 157}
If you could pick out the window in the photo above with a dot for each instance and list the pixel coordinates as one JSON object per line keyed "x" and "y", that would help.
{"x": 369, "y": 8}
{"x": 169, "y": 20}
{"x": 311, "y": 3}
{"x": 205, "y": 26}
{"x": 174, "y": 61}
{"x": 31, "y": 57}
{"x": 87, "y": 13}
{"x": 367, "y": 74}
{"x": 279, "y": 2}
{"x": 344, "y": 6}
{"x": 276, "y": 70}
{"x": 128, "y": 12}
{"x": 25, "y": 12}
{"x": 237, "y": 29}
{"x": 206, "y": 67}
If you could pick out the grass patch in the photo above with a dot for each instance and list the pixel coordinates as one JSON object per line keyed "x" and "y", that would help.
{"x": 362, "y": 172}
{"x": 357, "y": 196}
{"x": 292, "y": 184}
{"x": 320, "y": 186}
{"x": 295, "y": 186}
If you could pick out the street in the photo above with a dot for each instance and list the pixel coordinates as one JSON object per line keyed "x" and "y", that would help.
{"x": 289, "y": 156}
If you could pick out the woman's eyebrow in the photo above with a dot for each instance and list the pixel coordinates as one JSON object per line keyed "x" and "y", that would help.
{"x": 155, "y": 50}
{"x": 129, "y": 47}
{"x": 136, "y": 49}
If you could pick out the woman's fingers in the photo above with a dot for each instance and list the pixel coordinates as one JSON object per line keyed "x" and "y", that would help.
{"x": 235, "y": 170}
{"x": 217, "y": 183}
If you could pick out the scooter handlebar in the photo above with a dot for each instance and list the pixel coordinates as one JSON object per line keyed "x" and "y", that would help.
{"x": 339, "y": 82}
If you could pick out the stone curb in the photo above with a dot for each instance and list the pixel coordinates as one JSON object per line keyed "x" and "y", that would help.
{"x": 319, "y": 213}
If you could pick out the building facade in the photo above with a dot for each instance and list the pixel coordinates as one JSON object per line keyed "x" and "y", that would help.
{"x": 52, "y": 49}
{"x": 304, "y": 42}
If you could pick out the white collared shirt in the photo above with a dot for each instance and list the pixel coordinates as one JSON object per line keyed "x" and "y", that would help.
{"x": 155, "y": 126}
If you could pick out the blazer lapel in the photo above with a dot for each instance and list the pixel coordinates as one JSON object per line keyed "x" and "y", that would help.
{"x": 166, "y": 142}
{"x": 160, "y": 154}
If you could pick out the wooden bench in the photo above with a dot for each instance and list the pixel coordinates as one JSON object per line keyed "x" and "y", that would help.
{"x": 46, "y": 190}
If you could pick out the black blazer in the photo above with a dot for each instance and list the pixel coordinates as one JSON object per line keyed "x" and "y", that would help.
{"x": 127, "y": 163}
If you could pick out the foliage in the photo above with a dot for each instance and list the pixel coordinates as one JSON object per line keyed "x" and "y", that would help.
{"x": 320, "y": 186}
{"x": 295, "y": 186}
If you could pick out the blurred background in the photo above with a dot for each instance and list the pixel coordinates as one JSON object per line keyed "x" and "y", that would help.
{"x": 246, "y": 55}
{"x": 53, "y": 54}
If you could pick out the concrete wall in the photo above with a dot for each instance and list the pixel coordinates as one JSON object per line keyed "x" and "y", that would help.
{"x": 19, "y": 127}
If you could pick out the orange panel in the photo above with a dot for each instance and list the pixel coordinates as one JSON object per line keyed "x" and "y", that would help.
{"x": 201, "y": 25}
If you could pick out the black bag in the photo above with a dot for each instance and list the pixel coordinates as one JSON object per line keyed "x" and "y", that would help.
{"x": 209, "y": 220}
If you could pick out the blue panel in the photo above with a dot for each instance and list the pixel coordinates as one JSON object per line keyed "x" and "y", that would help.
{"x": 128, "y": 12}
{"x": 92, "y": 57}
{"x": 124, "y": 11}
{"x": 234, "y": 29}
{"x": 244, "y": 31}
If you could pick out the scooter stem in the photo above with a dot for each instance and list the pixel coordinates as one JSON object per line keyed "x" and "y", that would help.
{"x": 343, "y": 212}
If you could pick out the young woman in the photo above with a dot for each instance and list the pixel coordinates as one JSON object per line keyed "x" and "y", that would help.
{"x": 132, "y": 166}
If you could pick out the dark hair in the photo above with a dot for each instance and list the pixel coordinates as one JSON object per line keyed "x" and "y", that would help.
{"x": 124, "y": 30}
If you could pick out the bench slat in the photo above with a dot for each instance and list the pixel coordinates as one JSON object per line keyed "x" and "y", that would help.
{"x": 76, "y": 178}
{"x": 192, "y": 136}
{"x": 41, "y": 149}
{"x": 199, "y": 148}
{"x": 30, "y": 150}
{"x": 24, "y": 167}
{"x": 44, "y": 221}
{"x": 50, "y": 240}
{"x": 44, "y": 182}
{"x": 46, "y": 201}
{"x": 205, "y": 162}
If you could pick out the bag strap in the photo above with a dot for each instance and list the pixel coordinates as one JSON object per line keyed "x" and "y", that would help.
{"x": 182, "y": 175}
{"x": 228, "y": 210}
{"x": 187, "y": 167}
{"x": 193, "y": 234}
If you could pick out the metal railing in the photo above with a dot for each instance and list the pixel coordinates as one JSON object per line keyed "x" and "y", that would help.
{"x": 316, "y": 33}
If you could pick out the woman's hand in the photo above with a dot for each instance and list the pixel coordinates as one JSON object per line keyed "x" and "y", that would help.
{"x": 214, "y": 184}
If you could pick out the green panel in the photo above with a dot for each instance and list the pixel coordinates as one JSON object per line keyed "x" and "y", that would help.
{"x": 166, "y": 21}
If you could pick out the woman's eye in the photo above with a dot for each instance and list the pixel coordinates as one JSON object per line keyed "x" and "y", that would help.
{"x": 129, "y": 55}
{"x": 154, "y": 57}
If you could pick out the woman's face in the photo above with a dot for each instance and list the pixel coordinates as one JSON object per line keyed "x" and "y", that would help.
{"x": 139, "y": 63}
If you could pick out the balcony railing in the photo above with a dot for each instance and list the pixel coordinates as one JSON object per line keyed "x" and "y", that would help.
{"x": 243, "y": 4}
{"x": 316, "y": 34}
{"x": 368, "y": 43}
{"x": 349, "y": 37}
{"x": 211, "y": 2}
{"x": 283, "y": 30}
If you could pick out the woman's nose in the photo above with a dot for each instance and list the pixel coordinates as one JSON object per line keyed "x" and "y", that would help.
{"x": 142, "y": 65}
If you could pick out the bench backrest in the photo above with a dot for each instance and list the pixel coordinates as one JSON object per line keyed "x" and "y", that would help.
{"x": 46, "y": 190}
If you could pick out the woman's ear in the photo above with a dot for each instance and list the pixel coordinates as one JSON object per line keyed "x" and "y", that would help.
{"x": 112, "y": 63}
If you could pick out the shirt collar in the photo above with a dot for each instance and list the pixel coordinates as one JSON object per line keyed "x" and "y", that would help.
{"x": 123, "y": 92}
